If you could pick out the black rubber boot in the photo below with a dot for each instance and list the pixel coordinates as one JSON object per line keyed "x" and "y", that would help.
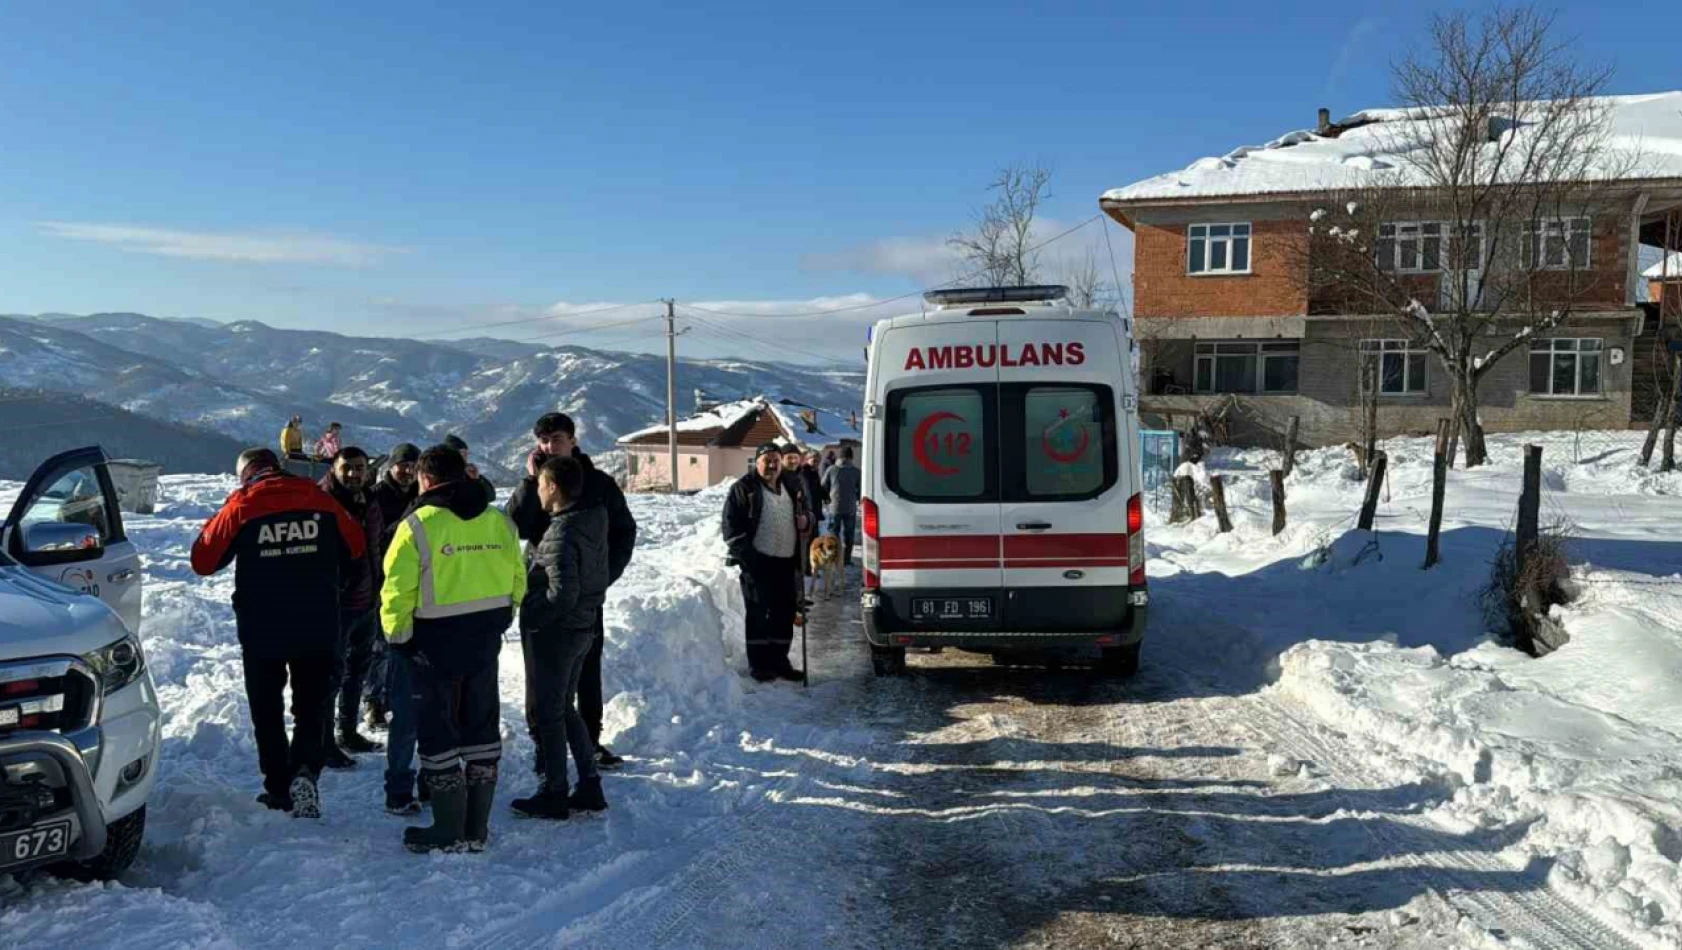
{"x": 481, "y": 788}
{"x": 588, "y": 796}
{"x": 449, "y": 817}
{"x": 550, "y": 804}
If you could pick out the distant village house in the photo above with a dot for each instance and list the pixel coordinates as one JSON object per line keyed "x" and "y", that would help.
{"x": 717, "y": 442}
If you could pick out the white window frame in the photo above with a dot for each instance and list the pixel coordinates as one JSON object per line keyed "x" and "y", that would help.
{"x": 1200, "y": 233}
{"x": 1539, "y": 235}
{"x": 1206, "y": 351}
{"x": 1405, "y": 350}
{"x": 1420, "y": 233}
{"x": 1550, "y": 346}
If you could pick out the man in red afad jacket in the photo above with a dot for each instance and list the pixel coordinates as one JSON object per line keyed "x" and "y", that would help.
{"x": 290, "y": 540}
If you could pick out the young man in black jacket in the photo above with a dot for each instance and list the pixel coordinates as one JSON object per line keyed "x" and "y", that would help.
{"x": 761, "y": 531}
{"x": 557, "y": 437}
{"x": 566, "y": 585}
{"x": 358, "y": 607}
{"x": 391, "y": 683}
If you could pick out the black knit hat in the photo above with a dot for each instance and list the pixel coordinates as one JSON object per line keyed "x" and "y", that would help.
{"x": 453, "y": 441}
{"x": 404, "y": 452}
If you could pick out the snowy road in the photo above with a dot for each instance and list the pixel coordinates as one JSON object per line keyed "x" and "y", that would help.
{"x": 1322, "y": 749}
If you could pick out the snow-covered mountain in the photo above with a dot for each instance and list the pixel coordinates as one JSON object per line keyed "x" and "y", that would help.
{"x": 244, "y": 379}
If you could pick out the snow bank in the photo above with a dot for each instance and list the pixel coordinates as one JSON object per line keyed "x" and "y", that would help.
{"x": 1580, "y": 749}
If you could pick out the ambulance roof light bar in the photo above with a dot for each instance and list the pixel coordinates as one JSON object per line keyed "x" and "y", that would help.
{"x": 968, "y": 296}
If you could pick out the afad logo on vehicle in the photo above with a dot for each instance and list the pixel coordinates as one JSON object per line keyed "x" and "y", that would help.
{"x": 988, "y": 355}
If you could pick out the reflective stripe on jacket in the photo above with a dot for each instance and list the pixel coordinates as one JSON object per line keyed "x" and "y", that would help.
{"x": 442, "y": 566}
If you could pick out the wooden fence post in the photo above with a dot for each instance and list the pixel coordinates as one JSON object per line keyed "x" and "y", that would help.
{"x": 1669, "y": 463}
{"x": 1277, "y": 479}
{"x": 1375, "y": 484}
{"x": 1664, "y": 417}
{"x": 1439, "y": 478}
{"x": 1291, "y": 445}
{"x": 1526, "y": 543}
{"x": 1217, "y": 493}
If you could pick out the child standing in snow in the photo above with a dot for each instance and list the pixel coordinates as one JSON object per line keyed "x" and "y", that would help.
{"x": 565, "y": 588}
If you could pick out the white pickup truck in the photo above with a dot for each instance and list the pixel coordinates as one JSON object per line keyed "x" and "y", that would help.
{"x": 79, "y": 713}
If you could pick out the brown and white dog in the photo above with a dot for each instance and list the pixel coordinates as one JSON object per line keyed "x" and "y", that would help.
{"x": 826, "y": 567}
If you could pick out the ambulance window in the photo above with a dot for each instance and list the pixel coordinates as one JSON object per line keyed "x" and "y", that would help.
{"x": 939, "y": 447}
{"x": 1068, "y": 442}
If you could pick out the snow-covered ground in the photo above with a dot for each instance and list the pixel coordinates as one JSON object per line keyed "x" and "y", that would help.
{"x": 1323, "y": 747}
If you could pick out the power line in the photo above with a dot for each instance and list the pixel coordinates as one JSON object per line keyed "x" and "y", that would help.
{"x": 573, "y": 330}
{"x": 778, "y": 350}
{"x": 551, "y": 316}
{"x": 877, "y": 303}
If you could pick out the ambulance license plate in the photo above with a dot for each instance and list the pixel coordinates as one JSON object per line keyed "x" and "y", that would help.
{"x": 951, "y": 608}
{"x": 42, "y": 841}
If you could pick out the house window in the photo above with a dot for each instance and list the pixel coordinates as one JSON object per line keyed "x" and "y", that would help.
{"x": 1424, "y": 247}
{"x": 1559, "y": 244}
{"x": 1398, "y": 365}
{"x": 1218, "y": 249}
{"x": 1565, "y": 367}
{"x": 1269, "y": 367}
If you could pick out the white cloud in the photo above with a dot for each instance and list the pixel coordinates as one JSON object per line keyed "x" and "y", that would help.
{"x": 262, "y": 248}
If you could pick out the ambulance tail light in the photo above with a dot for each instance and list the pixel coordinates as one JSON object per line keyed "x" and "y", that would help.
{"x": 872, "y": 545}
{"x": 1136, "y": 541}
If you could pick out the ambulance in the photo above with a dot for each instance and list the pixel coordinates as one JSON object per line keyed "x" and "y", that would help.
{"x": 1001, "y": 485}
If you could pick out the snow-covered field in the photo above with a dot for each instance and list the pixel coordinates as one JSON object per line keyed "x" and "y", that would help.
{"x": 1320, "y": 666}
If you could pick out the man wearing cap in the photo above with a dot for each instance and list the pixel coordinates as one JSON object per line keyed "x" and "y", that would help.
{"x": 453, "y": 441}
{"x": 761, "y": 532}
{"x": 555, "y": 435}
{"x": 290, "y": 541}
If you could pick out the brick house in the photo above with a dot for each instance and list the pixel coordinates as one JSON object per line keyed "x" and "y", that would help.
{"x": 718, "y": 442}
{"x": 1225, "y": 315}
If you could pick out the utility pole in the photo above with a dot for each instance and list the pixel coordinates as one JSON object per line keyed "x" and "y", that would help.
{"x": 671, "y": 387}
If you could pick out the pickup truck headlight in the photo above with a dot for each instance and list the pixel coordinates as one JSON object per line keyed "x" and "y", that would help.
{"x": 119, "y": 664}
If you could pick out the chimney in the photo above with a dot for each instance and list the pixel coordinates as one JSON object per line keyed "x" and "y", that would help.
{"x": 1325, "y": 123}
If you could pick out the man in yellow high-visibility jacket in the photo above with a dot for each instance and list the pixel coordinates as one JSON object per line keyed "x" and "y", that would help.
{"x": 453, "y": 576}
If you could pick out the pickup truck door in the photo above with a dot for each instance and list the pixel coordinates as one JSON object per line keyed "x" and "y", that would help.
{"x": 70, "y": 490}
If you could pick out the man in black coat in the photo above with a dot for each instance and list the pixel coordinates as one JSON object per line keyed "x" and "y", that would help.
{"x": 557, "y": 437}
{"x": 359, "y": 625}
{"x": 761, "y": 532}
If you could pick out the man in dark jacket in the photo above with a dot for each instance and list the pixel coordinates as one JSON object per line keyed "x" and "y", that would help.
{"x": 392, "y": 680}
{"x": 566, "y": 584}
{"x": 557, "y": 437}
{"x": 289, "y": 540}
{"x": 805, "y": 522}
{"x": 842, "y": 484}
{"x": 453, "y": 441}
{"x": 396, "y": 490}
{"x": 347, "y": 482}
{"x": 761, "y": 532}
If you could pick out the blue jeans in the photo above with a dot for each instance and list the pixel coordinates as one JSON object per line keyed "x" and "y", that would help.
{"x": 846, "y": 523}
{"x": 402, "y": 734}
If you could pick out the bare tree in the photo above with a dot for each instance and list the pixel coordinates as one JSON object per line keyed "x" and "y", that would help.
{"x": 1001, "y": 245}
{"x": 1502, "y": 163}
{"x": 1088, "y": 289}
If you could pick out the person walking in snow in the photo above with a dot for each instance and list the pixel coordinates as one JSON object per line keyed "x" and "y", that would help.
{"x": 557, "y": 437}
{"x": 566, "y": 585}
{"x": 347, "y": 482}
{"x": 288, "y": 541}
{"x": 327, "y": 447}
{"x": 760, "y": 532}
{"x": 292, "y": 438}
{"x": 828, "y": 462}
{"x": 392, "y": 680}
{"x": 453, "y": 576}
{"x": 842, "y": 484}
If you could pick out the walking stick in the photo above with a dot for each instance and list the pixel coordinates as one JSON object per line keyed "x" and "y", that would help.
{"x": 806, "y": 680}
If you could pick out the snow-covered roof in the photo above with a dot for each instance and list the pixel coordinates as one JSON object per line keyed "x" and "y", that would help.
{"x": 719, "y": 417}
{"x": 1644, "y": 140}
{"x": 1666, "y": 270}
{"x": 832, "y": 425}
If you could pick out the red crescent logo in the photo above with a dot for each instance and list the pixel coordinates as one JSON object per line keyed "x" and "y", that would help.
{"x": 919, "y": 443}
{"x": 1065, "y": 457}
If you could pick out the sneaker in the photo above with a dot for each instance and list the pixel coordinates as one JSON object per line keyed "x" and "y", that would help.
{"x": 607, "y": 761}
{"x": 792, "y": 675}
{"x": 336, "y": 758}
{"x": 306, "y": 799}
{"x": 352, "y": 741}
{"x": 401, "y": 803}
{"x": 275, "y": 802}
{"x": 588, "y": 796}
{"x": 547, "y": 804}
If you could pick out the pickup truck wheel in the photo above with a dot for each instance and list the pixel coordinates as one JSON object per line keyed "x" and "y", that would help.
{"x": 887, "y": 661}
{"x": 1120, "y": 661}
{"x": 122, "y": 844}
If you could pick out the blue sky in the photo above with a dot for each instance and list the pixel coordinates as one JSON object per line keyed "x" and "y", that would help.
{"x": 417, "y": 169}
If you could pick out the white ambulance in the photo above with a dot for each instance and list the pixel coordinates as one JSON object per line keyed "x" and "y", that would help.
{"x": 1001, "y": 499}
